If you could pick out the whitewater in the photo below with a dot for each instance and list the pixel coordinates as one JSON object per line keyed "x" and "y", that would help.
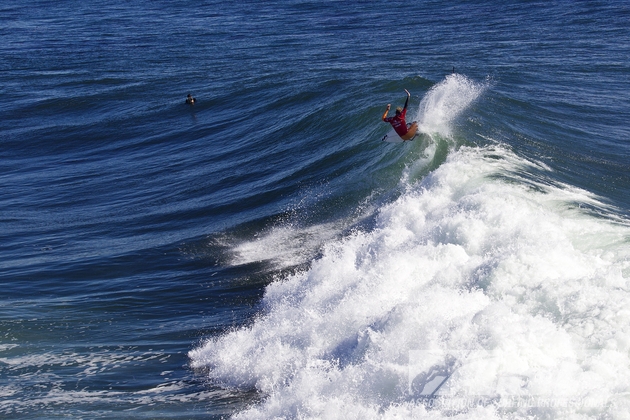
{"x": 486, "y": 289}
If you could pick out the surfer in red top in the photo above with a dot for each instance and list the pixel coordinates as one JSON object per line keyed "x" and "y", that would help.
{"x": 404, "y": 130}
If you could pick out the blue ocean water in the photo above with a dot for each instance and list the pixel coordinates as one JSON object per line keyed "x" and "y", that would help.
{"x": 262, "y": 254}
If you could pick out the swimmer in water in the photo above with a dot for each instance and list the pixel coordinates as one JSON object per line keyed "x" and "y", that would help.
{"x": 190, "y": 100}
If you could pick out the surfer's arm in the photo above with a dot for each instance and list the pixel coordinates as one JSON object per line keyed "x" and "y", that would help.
{"x": 407, "y": 101}
{"x": 386, "y": 112}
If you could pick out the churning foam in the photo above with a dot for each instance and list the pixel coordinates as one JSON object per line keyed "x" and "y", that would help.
{"x": 479, "y": 294}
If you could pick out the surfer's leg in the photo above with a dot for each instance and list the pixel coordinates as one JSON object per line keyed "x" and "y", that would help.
{"x": 411, "y": 133}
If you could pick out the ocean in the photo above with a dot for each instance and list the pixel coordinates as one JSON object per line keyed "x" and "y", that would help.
{"x": 263, "y": 254}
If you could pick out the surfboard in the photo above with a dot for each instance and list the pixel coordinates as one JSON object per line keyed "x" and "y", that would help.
{"x": 393, "y": 137}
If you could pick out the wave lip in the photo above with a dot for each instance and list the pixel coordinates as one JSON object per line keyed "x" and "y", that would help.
{"x": 502, "y": 284}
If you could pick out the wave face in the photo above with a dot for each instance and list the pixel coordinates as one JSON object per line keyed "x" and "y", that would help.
{"x": 511, "y": 286}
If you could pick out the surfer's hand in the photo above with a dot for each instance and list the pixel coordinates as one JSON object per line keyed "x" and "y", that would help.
{"x": 408, "y": 94}
{"x": 389, "y": 106}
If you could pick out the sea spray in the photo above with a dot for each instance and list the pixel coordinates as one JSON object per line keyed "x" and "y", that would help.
{"x": 445, "y": 101}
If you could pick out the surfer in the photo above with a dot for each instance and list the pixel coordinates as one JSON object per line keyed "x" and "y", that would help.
{"x": 190, "y": 100}
{"x": 406, "y": 131}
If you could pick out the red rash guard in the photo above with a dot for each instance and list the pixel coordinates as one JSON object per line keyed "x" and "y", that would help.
{"x": 398, "y": 122}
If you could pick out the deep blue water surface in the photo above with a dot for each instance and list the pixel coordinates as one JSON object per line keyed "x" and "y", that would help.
{"x": 262, "y": 253}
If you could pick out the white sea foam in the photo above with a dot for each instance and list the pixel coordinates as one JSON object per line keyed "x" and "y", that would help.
{"x": 284, "y": 246}
{"x": 503, "y": 285}
{"x": 481, "y": 293}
